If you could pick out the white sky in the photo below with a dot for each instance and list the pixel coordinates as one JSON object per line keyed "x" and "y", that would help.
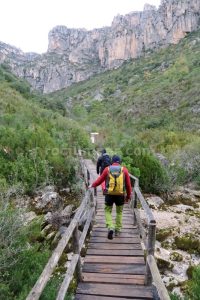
{"x": 25, "y": 24}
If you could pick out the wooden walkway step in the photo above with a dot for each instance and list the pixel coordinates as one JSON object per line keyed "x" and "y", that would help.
{"x": 113, "y": 269}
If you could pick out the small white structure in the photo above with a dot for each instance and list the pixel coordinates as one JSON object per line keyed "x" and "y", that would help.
{"x": 93, "y": 137}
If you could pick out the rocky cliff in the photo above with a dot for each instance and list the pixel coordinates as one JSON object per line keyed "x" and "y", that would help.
{"x": 76, "y": 54}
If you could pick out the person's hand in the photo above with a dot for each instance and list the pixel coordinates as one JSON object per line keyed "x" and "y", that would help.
{"x": 89, "y": 186}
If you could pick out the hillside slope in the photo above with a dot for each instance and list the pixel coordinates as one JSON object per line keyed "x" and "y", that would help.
{"x": 36, "y": 144}
{"x": 154, "y": 99}
{"x": 75, "y": 55}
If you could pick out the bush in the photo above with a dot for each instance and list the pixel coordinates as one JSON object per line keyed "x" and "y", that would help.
{"x": 11, "y": 235}
{"x": 186, "y": 163}
{"x": 21, "y": 261}
{"x": 22, "y": 87}
{"x": 38, "y": 146}
{"x": 153, "y": 176}
{"x": 194, "y": 287}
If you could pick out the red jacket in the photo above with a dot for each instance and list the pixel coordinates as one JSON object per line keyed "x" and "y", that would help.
{"x": 103, "y": 176}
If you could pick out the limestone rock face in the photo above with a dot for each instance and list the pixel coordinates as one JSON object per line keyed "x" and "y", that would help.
{"x": 74, "y": 55}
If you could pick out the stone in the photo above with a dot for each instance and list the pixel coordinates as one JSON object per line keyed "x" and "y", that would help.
{"x": 50, "y": 236}
{"x": 48, "y": 202}
{"x": 183, "y": 208}
{"x": 28, "y": 217}
{"x": 46, "y": 230}
{"x": 65, "y": 192}
{"x": 176, "y": 256}
{"x": 177, "y": 291}
{"x": 154, "y": 202}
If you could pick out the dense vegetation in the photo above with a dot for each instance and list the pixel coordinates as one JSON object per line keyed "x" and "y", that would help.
{"x": 37, "y": 144}
{"x": 37, "y": 147}
{"x": 148, "y": 106}
{"x": 153, "y": 100}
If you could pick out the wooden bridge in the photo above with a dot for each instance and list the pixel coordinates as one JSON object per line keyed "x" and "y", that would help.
{"x": 122, "y": 268}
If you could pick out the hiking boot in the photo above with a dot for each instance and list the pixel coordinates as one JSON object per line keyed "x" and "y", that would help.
{"x": 117, "y": 232}
{"x": 110, "y": 234}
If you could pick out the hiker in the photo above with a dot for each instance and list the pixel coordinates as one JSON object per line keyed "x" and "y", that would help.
{"x": 117, "y": 190}
{"x": 103, "y": 162}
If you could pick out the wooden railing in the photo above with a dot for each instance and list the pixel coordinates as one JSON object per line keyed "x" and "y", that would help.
{"x": 148, "y": 237}
{"x": 87, "y": 206}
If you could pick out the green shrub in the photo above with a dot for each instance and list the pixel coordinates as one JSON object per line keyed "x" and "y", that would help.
{"x": 37, "y": 146}
{"x": 153, "y": 177}
{"x": 21, "y": 260}
{"x": 109, "y": 90}
{"x": 187, "y": 163}
{"x": 22, "y": 87}
{"x": 11, "y": 236}
{"x": 194, "y": 287}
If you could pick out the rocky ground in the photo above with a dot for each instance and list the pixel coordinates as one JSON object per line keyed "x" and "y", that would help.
{"x": 177, "y": 236}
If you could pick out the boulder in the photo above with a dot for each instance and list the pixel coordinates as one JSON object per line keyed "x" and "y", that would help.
{"x": 154, "y": 202}
{"x": 48, "y": 202}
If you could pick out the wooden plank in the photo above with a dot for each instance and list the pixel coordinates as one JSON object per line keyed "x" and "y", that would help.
{"x": 126, "y": 213}
{"x": 113, "y": 259}
{"x": 93, "y": 297}
{"x": 129, "y": 291}
{"x": 115, "y": 252}
{"x": 104, "y": 229}
{"x": 125, "y": 220}
{"x": 115, "y": 268}
{"x": 110, "y": 246}
{"x": 102, "y": 224}
{"x": 131, "y": 240}
{"x": 125, "y": 226}
{"x": 113, "y": 278}
{"x": 122, "y": 234}
{"x": 125, "y": 208}
{"x": 124, "y": 229}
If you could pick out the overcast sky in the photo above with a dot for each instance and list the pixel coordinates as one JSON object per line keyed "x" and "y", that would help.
{"x": 25, "y": 24}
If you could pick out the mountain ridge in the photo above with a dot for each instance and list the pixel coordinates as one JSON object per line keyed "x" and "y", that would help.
{"x": 75, "y": 55}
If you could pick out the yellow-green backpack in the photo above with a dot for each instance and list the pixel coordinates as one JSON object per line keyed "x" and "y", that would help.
{"x": 115, "y": 182}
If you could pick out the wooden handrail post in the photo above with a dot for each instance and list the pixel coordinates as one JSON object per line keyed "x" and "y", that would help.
{"x": 92, "y": 204}
{"x": 135, "y": 200}
{"x": 95, "y": 200}
{"x": 76, "y": 249}
{"x": 151, "y": 240}
{"x": 88, "y": 177}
